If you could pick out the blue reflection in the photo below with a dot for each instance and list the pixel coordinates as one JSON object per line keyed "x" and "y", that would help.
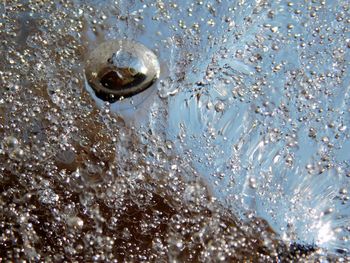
{"x": 279, "y": 72}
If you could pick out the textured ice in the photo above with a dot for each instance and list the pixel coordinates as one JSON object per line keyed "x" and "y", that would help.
{"x": 240, "y": 151}
{"x": 292, "y": 81}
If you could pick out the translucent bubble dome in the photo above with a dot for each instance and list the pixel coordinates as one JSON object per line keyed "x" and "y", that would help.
{"x": 119, "y": 69}
{"x": 174, "y": 131}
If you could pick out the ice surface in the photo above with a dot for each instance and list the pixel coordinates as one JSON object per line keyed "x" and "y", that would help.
{"x": 240, "y": 151}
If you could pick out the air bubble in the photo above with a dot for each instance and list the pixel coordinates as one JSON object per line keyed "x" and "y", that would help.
{"x": 75, "y": 222}
{"x": 10, "y": 142}
{"x": 219, "y": 106}
{"x": 121, "y": 68}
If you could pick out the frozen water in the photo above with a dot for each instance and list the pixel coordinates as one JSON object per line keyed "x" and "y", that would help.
{"x": 240, "y": 151}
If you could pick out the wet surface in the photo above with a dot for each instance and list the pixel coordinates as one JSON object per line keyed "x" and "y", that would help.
{"x": 239, "y": 151}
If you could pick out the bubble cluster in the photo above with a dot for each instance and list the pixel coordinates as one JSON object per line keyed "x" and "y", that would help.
{"x": 241, "y": 153}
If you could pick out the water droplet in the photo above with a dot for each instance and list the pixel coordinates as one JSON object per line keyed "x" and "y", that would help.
{"x": 121, "y": 68}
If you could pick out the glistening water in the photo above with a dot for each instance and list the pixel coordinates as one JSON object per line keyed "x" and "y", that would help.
{"x": 239, "y": 151}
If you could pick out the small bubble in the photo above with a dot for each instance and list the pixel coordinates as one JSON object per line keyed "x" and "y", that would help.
{"x": 274, "y": 29}
{"x": 343, "y": 191}
{"x": 342, "y": 128}
{"x": 75, "y": 222}
{"x": 275, "y": 47}
{"x": 290, "y": 26}
{"x": 325, "y": 139}
{"x": 10, "y": 142}
{"x": 220, "y": 106}
{"x": 328, "y": 211}
{"x": 252, "y": 183}
{"x": 48, "y": 197}
{"x": 17, "y": 154}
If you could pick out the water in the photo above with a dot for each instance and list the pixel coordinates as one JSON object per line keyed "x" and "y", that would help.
{"x": 238, "y": 151}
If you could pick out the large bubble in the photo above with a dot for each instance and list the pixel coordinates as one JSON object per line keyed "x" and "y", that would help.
{"x": 121, "y": 68}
